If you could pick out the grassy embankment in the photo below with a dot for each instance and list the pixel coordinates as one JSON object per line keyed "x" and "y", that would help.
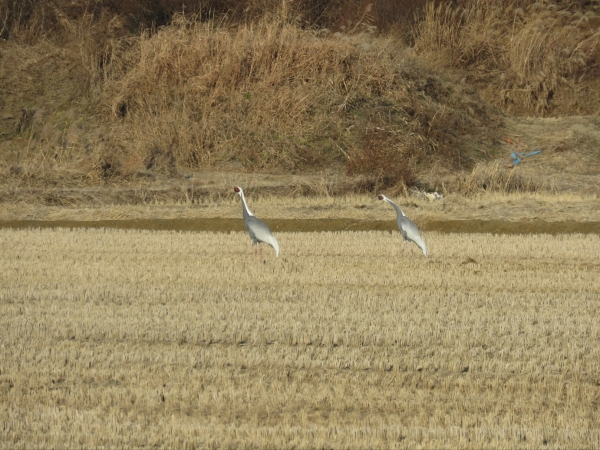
{"x": 90, "y": 100}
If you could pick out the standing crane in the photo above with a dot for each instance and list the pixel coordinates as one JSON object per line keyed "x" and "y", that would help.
{"x": 257, "y": 229}
{"x": 409, "y": 230}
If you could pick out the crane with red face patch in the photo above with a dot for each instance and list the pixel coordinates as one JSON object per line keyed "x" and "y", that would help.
{"x": 410, "y": 232}
{"x": 257, "y": 229}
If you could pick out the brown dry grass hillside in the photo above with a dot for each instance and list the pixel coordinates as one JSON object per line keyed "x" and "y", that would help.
{"x": 389, "y": 94}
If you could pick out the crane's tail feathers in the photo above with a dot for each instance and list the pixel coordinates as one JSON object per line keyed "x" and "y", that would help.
{"x": 273, "y": 243}
{"x": 421, "y": 244}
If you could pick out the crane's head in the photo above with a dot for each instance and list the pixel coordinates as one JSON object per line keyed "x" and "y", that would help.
{"x": 237, "y": 190}
{"x": 382, "y": 197}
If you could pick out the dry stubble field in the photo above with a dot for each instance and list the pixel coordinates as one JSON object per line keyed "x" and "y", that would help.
{"x": 138, "y": 338}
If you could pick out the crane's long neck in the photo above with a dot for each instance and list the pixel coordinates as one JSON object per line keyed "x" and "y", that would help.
{"x": 245, "y": 209}
{"x": 396, "y": 207}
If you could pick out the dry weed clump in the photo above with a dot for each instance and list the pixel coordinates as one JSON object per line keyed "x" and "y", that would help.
{"x": 272, "y": 95}
{"x": 386, "y": 161}
{"x": 129, "y": 338}
{"x": 209, "y": 94}
{"x": 526, "y": 59}
{"x": 496, "y": 177}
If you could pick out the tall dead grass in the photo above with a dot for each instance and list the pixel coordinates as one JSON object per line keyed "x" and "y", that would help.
{"x": 127, "y": 338}
{"x": 272, "y": 95}
{"x": 207, "y": 94}
{"x": 30, "y": 19}
{"x": 527, "y": 58}
{"x": 495, "y": 177}
{"x": 278, "y": 86}
{"x": 27, "y": 21}
{"x": 269, "y": 92}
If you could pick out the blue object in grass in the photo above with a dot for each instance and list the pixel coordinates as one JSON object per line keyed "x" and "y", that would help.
{"x": 516, "y": 156}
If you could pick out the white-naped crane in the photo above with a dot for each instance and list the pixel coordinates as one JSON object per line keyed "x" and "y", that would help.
{"x": 409, "y": 230}
{"x": 257, "y": 229}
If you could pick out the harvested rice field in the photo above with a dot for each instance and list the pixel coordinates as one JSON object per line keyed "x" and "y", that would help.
{"x": 128, "y": 338}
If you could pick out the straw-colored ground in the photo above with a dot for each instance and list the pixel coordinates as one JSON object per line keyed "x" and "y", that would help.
{"x": 115, "y": 338}
{"x": 225, "y": 204}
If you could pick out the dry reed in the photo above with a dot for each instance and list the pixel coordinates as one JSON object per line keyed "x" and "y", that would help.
{"x": 496, "y": 177}
{"x": 528, "y": 59}
{"x": 121, "y": 338}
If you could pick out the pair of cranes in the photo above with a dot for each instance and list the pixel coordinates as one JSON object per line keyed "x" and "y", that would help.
{"x": 260, "y": 232}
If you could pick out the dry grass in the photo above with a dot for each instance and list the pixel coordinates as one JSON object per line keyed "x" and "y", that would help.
{"x": 270, "y": 204}
{"x": 136, "y": 338}
{"x": 496, "y": 177}
{"x": 202, "y": 94}
{"x": 28, "y": 19}
{"x": 268, "y": 94}
{"x": 117, "y": 91}
{"x": 273, "y": 95}
{"x": 529, "y": 59}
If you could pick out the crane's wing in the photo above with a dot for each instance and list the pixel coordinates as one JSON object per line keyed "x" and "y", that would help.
{"x": 411, "y": 232}
{"x": 260, "y": 232}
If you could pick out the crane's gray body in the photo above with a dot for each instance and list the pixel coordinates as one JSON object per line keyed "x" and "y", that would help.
{"x": 257, "y": 229}
{"x": 407, "y": 227}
